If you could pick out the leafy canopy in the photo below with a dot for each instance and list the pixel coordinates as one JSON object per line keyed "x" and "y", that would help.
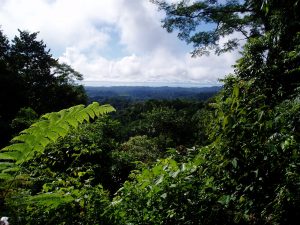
{"x": 250, "y": 18}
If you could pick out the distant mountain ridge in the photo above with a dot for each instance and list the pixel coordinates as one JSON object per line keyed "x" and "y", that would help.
{"x": 146, "y": 92}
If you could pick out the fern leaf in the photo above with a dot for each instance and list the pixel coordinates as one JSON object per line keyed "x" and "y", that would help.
{"x": 49, "y": 200}
{"x": 86, "y": 116}
{"x": 61, "y": 131}
{"x": 5, "y": 165}
{"x": 53, "y": 136}
{"x": 11, "y": 170}
{"x": 72, "y": 121}
{"x": 5, "y": 176}
{"x": 90, "y": 112}
{"x": 48, "y": 129}
{"x": 17, "y": 147}
{"x": 44, "y": 141}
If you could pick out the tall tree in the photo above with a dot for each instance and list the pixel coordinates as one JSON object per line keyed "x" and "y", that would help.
{"x": 270, "y": 28}
{"x": 49, "y": 85}
{"x": 31, "y": 77}
{"x": 11, "y": 91}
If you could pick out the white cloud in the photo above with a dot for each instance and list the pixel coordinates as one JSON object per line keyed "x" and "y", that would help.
{"x": 62, "y": 23}
{"x": 141, "y": 29}
{"x": 159, "y": 66}
{"x": 86, "y": 34}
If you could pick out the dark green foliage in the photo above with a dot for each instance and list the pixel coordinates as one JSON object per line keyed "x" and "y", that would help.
{"x": 226, "y": 17}
{"x": 165, "y": 194}
{"x": 24, "y": 118}
{"x": 68, "y": 205}
{"x": 138, "y": 150}
{"x": 78, "y": 156}
{"x": 248, "y": 172}
{"x": 46, "y": 81}
{"x": 248, "y": 175}
{"x": 55, "y": 182}
{"x": 11, "y": 92}
{"x": 66, "y": 180}
{"x": 170, "y": 122}
{"x": 31, "y": 77}
{"x": 259, "y": 143}
{"x": 272, "y": 47}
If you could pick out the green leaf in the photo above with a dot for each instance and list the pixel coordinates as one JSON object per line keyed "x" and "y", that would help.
{"x": 224, "y": 200}
{"x": 234, "y": 163}
{"x": 164, "y": 195}
{"x": 175, "y": 174}
{"x": 159, "y": 180}
{"x": 236, "y": 91}
{"x": 47, "y": 130}
{"x": 5, "y": 176}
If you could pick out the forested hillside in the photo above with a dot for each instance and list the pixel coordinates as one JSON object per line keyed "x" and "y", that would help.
{"x": 233, "y": 159}
{"x": 136, "y": 93}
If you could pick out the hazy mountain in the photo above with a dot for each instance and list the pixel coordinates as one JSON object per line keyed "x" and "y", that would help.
{"x": 144, "y": 92}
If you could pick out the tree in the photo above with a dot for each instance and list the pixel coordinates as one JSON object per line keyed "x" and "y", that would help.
{"x": 49, "y": 85}
{"x": 225, "y": 18}
{"x": 12, "y": 96}
{"x": 271, "y": 30}
{"x": 31, "y": 77}
{"x": 25, "y": 117}
{"x": 4, "y": 46}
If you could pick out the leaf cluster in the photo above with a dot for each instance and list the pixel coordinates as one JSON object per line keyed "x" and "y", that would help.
{"x": 48, "y": 129}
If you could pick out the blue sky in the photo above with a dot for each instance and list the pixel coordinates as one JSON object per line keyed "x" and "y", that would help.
{"x": 113, "y": 41}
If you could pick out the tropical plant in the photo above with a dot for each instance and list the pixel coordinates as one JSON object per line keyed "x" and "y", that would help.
{"x": 54, "y": 187}
{"x": 48, "y": 129}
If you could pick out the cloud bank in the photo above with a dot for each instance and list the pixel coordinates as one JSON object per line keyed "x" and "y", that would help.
{"x": 113, "y": 40}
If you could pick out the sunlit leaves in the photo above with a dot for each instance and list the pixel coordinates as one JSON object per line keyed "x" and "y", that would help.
{"x": 49, "y": 129}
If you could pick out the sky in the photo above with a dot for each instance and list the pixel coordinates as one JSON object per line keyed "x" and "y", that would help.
{"x": 114, "y": 42}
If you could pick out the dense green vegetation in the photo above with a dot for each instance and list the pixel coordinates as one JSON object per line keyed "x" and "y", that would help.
{"x": 234, "y": 159}
{"x": 31, "y": 78}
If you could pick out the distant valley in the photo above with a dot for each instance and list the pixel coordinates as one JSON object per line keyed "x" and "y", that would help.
{"x": 141, "y": 93}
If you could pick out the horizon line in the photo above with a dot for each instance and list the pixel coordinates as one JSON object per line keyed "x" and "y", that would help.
{"x": 146, "y": 84}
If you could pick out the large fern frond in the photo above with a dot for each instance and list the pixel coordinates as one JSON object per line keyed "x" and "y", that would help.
{"x": 47, "y": 130}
